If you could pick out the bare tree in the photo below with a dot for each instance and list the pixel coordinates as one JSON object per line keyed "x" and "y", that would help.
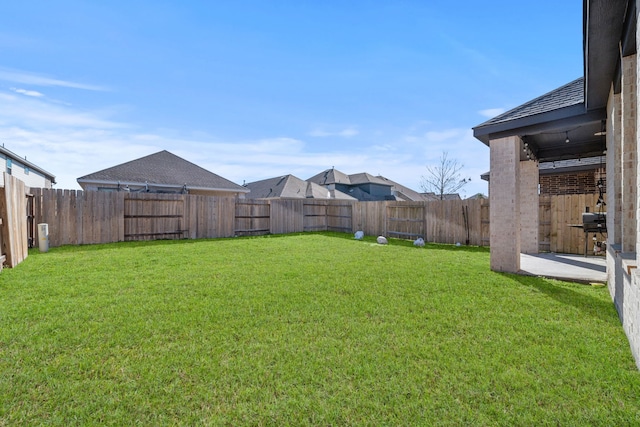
{"x": 443, "y": 178}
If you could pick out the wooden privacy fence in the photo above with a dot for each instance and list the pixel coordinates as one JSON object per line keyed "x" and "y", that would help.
{"x": 77, "y": 217}
{"x": 557, "y": 215}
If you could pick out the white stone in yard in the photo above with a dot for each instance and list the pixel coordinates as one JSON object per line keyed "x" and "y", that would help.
{"x": 382, "y": 240}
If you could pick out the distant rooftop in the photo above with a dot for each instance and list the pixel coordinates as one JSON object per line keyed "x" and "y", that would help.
{"x": 290, "y": 186}
{"x": 162, "y": 168}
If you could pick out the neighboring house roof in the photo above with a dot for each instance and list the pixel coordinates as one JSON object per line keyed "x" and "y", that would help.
{"x": 23, "y": 160}
{"x": 365, "y": 178}
{"x": 357, "y": 182}
{"x": 334, "y": 176}
{"x": 330, "y": 176}
{"x": 477, "y": 196}
{"x": 403, "y": 193}
{"x": 163, "y": 169}
{"x": 291, "y": 186}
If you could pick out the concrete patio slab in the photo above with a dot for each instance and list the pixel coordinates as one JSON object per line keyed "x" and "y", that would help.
{"x": 576, "y": 268}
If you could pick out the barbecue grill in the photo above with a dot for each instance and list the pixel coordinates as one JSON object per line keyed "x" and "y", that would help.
{"x": 592, "y": 222}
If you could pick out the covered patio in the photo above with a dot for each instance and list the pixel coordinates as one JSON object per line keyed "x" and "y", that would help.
{"x": 554, "y": 127}
{"x": 593, "y": 116}
{"x": 575, "y": 268}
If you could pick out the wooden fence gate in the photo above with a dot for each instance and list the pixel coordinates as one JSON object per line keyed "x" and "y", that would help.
{"x": 252, "y": 217}
{"x": 406, "y": 220}
{"x": 322, "y": 216}
{"x": 153, "y": 218}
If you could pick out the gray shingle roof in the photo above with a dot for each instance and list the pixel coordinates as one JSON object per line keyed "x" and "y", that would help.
{"x": 162, "y": 168}
{"x": 330, "y": 176}
{"x": 565, "y": 96}
{"x": 365, "y": 178}
{"x": 291, "y": 186}
{"x": 402, "y": 192}
{"x": 334, "y": 176}
{"x": 281, "y": 186}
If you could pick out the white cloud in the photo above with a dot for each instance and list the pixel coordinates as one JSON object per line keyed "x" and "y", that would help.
{"x": 444, "y": 135}
{"x": 28, "y": 78}
{"x": 344, "y": 133}
{"x": 70, "y": 142}
{"x": 27, "y": 92}
{"x": 492, "y": 112}
{"x": 32, "y": 112}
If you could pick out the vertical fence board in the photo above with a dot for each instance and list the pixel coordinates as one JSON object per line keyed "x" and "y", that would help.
{"x": 544, "y": 227}
{"x": 226, "y": 210}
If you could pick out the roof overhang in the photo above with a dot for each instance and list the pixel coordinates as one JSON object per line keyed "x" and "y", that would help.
{"x": 546, "y": 133}
{"x": 608, "y": 33}
{"x": 609, "y": 28}
{"x": 25, "y": 162}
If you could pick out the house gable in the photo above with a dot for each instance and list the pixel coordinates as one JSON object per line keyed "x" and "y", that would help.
{"x": 160, "y": 172}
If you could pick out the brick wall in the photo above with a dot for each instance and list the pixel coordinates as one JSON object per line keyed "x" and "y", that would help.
{"x": 583, "y": 182}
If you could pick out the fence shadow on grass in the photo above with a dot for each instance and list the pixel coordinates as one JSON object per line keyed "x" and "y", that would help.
{"x": 597, "y": 308}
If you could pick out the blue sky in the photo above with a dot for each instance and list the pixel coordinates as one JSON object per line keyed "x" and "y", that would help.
{"x": 256, "y": 89}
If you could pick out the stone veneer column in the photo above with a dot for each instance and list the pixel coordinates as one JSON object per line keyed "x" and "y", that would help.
{"x": 529, "y": 207}
{"x": 629, "y": 147}
{"x": 614, "y": 169}
{"x": 504, "y": 200}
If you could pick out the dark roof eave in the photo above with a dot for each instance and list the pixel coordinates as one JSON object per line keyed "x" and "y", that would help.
{"x": 603, "y": 25}
{"x": 552, "y": 120}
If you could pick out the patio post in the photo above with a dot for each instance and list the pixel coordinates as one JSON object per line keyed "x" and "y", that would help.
{"x": 529, "y": 207}
{"x": 504, "y": 199}
{"x": 614, "y": 169}
{"x": 629, "y": 161}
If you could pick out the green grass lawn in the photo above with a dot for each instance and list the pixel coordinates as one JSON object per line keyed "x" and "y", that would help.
{"x": 313, "y": 329}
